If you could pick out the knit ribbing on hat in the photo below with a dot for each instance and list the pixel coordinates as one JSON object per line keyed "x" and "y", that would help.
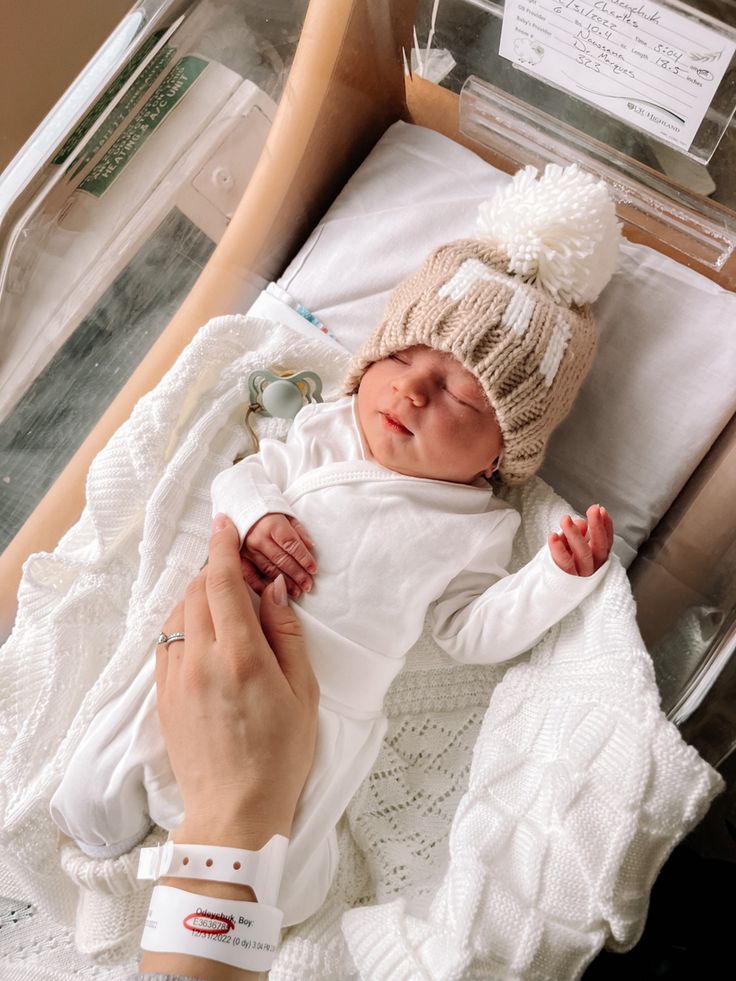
{"x": 529, "y": 353}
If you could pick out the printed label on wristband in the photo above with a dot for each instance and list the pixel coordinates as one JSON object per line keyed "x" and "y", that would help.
{"x": 241, "y": 934}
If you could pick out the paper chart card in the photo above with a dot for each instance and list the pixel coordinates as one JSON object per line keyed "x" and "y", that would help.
{"x": 643, "y": 62}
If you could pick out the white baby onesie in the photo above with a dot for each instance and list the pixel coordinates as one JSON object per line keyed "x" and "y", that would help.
{"x": 389, "y": 548}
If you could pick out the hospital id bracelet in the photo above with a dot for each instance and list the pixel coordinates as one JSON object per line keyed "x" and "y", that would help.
{"x": 261, "y": 870}
{"x": 234, "y": 932}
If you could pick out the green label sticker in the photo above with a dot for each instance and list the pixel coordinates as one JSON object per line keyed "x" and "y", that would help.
{"x": 184, "y": 73}
{"x": 108, "y": 95}
{"x": 125, "y": 106}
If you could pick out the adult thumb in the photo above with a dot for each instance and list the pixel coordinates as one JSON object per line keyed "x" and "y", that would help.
{"x": 284, "y": 635}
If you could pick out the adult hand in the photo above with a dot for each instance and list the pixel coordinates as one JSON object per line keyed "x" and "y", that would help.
{"x": 237, "y": 701}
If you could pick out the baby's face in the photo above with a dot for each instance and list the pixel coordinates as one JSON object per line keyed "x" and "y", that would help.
{"x": 424, "y": 415}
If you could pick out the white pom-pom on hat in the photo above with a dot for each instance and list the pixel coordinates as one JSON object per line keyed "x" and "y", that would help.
{"x": 560, "y": 232}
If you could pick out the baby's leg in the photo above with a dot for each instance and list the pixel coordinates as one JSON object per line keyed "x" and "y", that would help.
{"x": 306, "y": 883}
{"x": 346, "y": 750}
{"x": 102, "y": 801}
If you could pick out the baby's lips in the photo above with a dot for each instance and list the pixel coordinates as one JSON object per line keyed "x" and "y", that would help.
{"x": 397, "y": 422}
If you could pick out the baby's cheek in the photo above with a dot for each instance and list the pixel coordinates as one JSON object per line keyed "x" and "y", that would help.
{"x": 462, "y": 436}
{"x": 453, "y": 424}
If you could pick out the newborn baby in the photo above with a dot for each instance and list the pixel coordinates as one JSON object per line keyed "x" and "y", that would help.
{"x": 418, "y": 413}
{"x": 379, "y": 511}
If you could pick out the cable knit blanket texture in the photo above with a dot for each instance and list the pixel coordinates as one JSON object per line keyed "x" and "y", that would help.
{"x": 515, "y": 819}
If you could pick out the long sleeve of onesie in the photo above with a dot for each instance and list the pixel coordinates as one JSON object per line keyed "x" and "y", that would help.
{"x": 253, "y": 488}
{"x": 481, "y": 624}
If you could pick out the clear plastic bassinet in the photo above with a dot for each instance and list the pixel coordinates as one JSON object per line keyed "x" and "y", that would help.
{"x": 191, "y": 159}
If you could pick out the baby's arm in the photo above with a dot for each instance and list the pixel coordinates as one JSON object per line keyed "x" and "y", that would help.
{"x": 480, "y": 623}
{"x": 251, "y": 495}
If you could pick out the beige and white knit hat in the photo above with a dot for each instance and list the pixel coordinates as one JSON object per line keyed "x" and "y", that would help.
{"x": 512, "y": 306}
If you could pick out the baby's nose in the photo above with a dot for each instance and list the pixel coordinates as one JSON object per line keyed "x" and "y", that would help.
{"x": 414, "y": 387}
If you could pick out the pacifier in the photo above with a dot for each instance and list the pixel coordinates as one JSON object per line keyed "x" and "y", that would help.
{"x": 283, "y": 393}
{"x": 280, "y": 394}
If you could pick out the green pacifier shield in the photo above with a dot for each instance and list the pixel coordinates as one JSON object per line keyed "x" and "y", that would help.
{"x": 282, "y": 399}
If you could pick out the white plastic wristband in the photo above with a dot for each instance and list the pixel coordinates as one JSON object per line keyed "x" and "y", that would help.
{"x": 261, "y": 870}
{"x": 234, "y": 932}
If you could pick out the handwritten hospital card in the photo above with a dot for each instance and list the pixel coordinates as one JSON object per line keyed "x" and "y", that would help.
{"x": 643, "y": 62}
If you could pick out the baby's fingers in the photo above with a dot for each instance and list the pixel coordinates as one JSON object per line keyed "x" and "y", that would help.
{"x": 272, "y": 563}
{"x": 561, "y": 555}
{"x": 251, "y": 575}
{"x": 301, "y": 531}
{"x": 601, "y": 534}
{"x": 288, "y": 539}
{"x": 578, "y": 545}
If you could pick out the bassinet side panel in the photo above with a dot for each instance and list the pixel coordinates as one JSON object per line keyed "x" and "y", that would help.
{"x": 681, "y": 564}
{"x": 344, "y": 88}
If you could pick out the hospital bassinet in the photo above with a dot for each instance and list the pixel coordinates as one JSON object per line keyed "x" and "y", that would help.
{"x": 285, "y": 104}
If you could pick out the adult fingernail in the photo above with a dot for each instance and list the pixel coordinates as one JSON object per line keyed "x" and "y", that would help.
{"x": 280, "y": 597}
{"x": 218, "y": 522}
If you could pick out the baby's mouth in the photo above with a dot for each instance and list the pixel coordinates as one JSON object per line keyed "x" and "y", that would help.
{"x": 393, "y": 423}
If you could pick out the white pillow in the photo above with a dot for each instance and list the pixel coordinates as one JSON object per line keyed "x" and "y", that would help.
{"x": 663, "y": 383}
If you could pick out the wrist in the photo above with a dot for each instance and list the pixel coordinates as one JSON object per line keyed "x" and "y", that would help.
{"x": 246, "y": 871}
{"x": 250, "y": 833}
{"x": 184, "y": 932}
{"x": 206, "y": 887}
{"x": 253, "y": 886}
{"x": 188, "y": 834}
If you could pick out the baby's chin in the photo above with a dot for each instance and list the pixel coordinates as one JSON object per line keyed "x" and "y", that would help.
{"x": 397, "y": 465}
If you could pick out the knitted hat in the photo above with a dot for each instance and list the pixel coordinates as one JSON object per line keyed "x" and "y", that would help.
{"x": 513, "y": 306}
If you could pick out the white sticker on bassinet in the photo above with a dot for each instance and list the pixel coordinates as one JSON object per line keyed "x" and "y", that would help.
{"x": 643, "y": 62}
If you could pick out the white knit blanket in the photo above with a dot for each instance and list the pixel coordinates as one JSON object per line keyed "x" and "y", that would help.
{"x": 515, "y": 819}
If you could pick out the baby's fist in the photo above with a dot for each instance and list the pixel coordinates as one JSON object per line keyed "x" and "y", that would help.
{"x": 278, "y": 544}
{"x": 582, "y": 547}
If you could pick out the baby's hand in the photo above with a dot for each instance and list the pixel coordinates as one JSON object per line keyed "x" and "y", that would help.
{"x": 276, "y": 544}
{"x": 582, "y": 547}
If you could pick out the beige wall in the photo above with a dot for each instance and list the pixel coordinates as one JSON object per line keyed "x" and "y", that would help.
{"x": 44, "y": 44}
